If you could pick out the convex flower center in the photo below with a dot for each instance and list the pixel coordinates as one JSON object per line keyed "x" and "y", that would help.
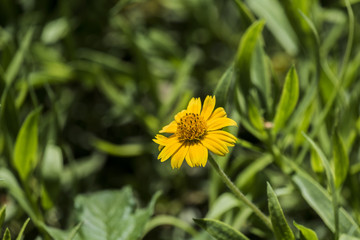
{"x": 191, "y": 127}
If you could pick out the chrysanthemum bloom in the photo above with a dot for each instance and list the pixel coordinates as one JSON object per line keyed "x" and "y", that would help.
{"x": 194, "y": 132}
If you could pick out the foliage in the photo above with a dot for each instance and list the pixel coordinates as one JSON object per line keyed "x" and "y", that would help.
{"x": 85, "y": 86}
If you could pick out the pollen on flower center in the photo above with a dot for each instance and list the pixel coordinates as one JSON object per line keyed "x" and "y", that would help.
{"x": 191, "y": 127}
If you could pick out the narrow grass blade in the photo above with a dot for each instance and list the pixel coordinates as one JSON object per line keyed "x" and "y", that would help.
{"x": 21, "y": 233}
{"x": 222, "y": 88}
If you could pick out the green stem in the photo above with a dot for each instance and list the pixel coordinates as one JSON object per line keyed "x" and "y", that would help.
{"x": 238, "y": 193}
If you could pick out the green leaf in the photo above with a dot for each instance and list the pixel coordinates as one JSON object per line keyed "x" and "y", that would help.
{"x": 244, "y": 54}
{"x": 315, "y": 161}
{"x": 10, "y": 183}
{"x": 223, "y": 203}
{"x": 331, "y": 183}
{"x": 7, "y": 235}
{"x": 347, "y": 237}
{"x": 255, "y": 116}
{"x": 219, "y": 230}
{"x": 25, "y": 153}
{"x": 112, "y": 215}
{"x": 122, "y": 150}
{"x": 17, "y": 61}
{"x": 51, "y": 170}
{"x": 9, "y": 116}
{"x": 281, "y": 228}
{"x": 288, "y": 100}
{"x": 306, "y": 233}
{"x": 21, "y": 233}
{"x": 341, "y": 159}
{"x": 58, "y": 234}
{"x": 319, "y": 200}
{"x": 277, "y": 22}
{"x": 222, "y": 88}
{"x": 55, "y": 30}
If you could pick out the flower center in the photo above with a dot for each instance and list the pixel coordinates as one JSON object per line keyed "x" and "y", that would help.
{"x": 191, "y": 127}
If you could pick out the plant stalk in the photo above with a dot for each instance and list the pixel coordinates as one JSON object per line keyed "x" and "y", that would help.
{"x": 239, "y": 194}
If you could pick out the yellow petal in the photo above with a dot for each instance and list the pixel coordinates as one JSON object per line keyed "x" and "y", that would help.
{"x": 169, "y": 150}
{"x": 218, "y": 113}
{"x": 178, "y": 158}
{"x": 215, "y": 145}
{"x": 160, "y": 139}
{"x": 208, "y": 107}
{"x": 197, "y": 155}
{"x": 219, "y": 123}
{"x": 194, "y": 106}
{"x": 180, "y": 115}
{"x": 226, "y": 137}
{"x": 170, "y": 128}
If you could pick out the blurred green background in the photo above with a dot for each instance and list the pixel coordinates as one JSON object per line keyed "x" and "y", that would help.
{"x": 109, "y": 74}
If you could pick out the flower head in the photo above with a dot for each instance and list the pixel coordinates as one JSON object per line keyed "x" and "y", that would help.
{"x": 194, "y": 132}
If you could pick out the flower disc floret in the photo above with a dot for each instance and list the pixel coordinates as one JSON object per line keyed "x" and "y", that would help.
{"x": 191, "y": 127}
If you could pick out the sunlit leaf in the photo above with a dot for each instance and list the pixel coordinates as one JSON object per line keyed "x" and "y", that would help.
{"x": 7, "y": 235}
{"x": 26, "y": 146}
{"x": 306, "y": 233}
{"x": 112, "y": 215}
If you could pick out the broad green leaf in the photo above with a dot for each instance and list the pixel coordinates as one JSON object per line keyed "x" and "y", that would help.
{"x": 59, "y": 234}
{"x": 306, "y": 233}
{"x": 347, "y": 237}
{"x": 219, "y": 230}
{"x": 26, "y": 146}
{"x": 223, "y": 203}
{"x": 222, "y": 88}
{"x": 7, "y": 235}
{"x": 244, "y": 54}
{"x": 319, "y": 200}
{"x": 10, "y": 183}
{"x": 123, "y": 150}
{"x": 16, "y": 63}
{"x": 281, "y": 228}
{"x": 330, "y": 180}
{"x": 341, "y": 160}
{"x": 277, "y": 22}
{"x": 111, "y": 215}
{"x": 288, "y": 100}
{"x": 21, "y": 233}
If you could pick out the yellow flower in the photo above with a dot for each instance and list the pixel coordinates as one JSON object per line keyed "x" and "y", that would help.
{"x": 194, "y": 132}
